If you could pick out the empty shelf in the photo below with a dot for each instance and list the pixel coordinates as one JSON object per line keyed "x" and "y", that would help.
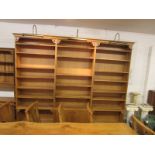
{"x": 117, "y": 109}
{"x": 73, "y": 46}
{"x": 109, "y": 92}
{"x": 76, "y": 57}
{"x": 111, "y": 81}
{"x": 35, "y": 54}
{"x": 73, "y": 85}
{"x": 34, "y": 97}
{"x": 73, "y": 96}
{"x": 113, "y": 49}
{"x": 34, "y": 88}
{"x": 111, "y": 72}
{"x": 114, "y": 60}
{"x": 35, "y": 44}
{"x": 107, "y": 99}
{"x": 35, "y": 77}
{"x": 35, "y": 67}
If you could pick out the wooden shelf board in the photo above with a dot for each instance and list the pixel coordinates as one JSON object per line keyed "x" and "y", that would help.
{"x": 111, "y": 72}
{"x": 34, "y": 88}
{"x": 74, "y": 109}
{"x": 23, "y": 107}
{"x": 75, "y": 57}
{"x": 113, "y": 49}
{"x": 35, "y": 77}
{"x": 73, "y": 46}
{"x": 109, "y": 92}
{"x": 35, "y": 67}
{"x": 110, "y": 109}
{"x": 65, "y": 74}
{"x": 72, "y": 96}
{"x": 34, "y": 97}
{"x": 107, "y": 99}
{"x": 6, "y": 63}
{"x": 34, "y": 44}
{"x": 35, "y": 54}
{"x": 3, "y": 72}
{"x": 73, "y": 85}
{"x": 114, "y": 60}
{"x": 111, "y": 81}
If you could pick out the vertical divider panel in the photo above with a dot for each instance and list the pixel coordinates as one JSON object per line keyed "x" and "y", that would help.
{"x": 95, "y": 44}
{"x": 56, "y": 42}
{"x": 16, "y": 80}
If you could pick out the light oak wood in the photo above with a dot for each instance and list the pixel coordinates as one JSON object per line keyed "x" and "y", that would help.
{"x": 31, "y": 128}
{"x": 54, "y": 70}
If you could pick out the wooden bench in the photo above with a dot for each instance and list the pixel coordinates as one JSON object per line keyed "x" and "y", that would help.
{"x": 78, "y": 115}
{"x": 7, "y": 111}
{"x": 32, "y": 128}
{"x": 32, "y": 113}
{"x": 140, "y": 127}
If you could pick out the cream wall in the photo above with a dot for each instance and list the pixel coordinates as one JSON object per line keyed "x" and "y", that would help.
{"x": 142, "y": 72}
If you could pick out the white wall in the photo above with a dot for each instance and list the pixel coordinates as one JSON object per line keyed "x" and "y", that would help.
{"x": 140, "y": 80}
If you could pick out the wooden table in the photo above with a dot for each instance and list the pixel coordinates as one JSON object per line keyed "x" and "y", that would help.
{"x": 30, "y": 128}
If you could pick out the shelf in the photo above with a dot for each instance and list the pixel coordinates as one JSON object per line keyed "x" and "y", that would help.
{"x": 35, "y": 67}
{"x": 35, "y": 54}
{"x": 107, "y": 99}
{"x": 111, "y": 81}
{"x": 109, "y": 92}
{"x": 111, "y": 72}
{"x": 73, "y": 85}
{"x": 6, "y": 63}
{"x": 74, "y": 109}
{"x": 73, "y": 46}
{"x": 23, "y": 107}
{"x": 34, "y": 44}
{"x": 5, "y": 73}
{"x": 113, "y": 49}
{"x": 65, "y": 74}
{"x": 34, "y": 97}
{"x": 113, "y": 60}
{"x": 76, "y": 57}
{"x": 35, "y": 77}
{"x": 72, "y": 96}
{"x": 110, "y": 109}
{"x": 33, "y": 88}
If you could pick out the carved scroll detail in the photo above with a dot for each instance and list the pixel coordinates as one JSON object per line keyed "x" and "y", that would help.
{"x": 95, "y": 43}
{"x": 56, "y": 41}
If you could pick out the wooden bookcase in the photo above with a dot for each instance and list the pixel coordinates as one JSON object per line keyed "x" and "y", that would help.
{"x": 72, "y": 72}
{"x": 6, "y": 69}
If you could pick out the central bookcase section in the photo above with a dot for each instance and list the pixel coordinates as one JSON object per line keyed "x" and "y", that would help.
{"x": 35, "y": 68}
{"x": 74, "y": 73}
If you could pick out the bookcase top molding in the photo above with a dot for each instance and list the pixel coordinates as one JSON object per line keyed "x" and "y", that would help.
{"x": 57, "y": 39}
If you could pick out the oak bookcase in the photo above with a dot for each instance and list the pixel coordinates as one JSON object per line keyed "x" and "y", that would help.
{"x": 73, "y": 72}
{"x": 6, "y": 69}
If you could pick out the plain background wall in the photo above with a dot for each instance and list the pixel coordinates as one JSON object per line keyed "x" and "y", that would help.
{"x": 142, "y": 70}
